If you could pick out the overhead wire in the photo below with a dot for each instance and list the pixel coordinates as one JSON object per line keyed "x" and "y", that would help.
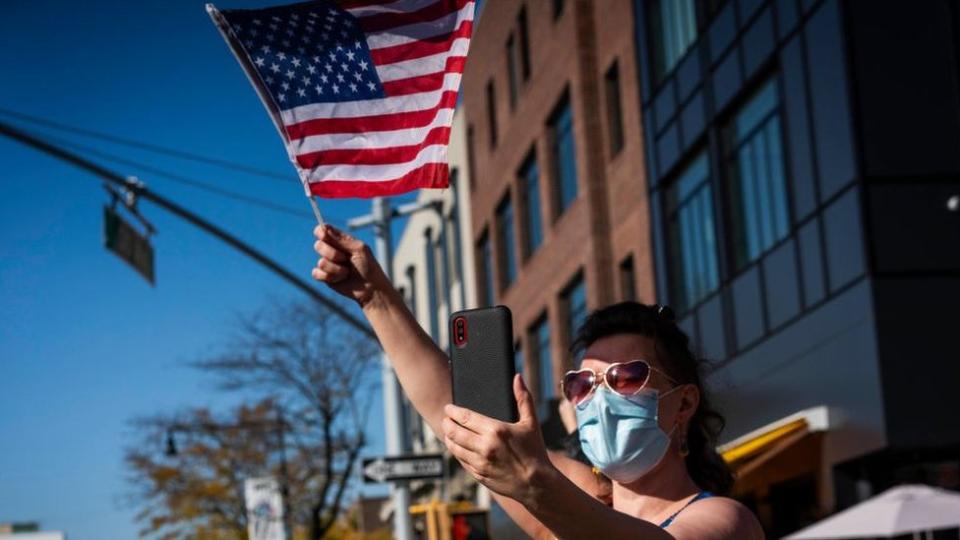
{"x": 150, "y": 147}
{"x": 199, "y": 184}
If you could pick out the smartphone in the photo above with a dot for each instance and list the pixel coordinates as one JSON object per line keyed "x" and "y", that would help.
{"x": 481, "y": 362}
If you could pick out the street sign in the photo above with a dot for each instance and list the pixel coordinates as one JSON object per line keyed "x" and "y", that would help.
{"x": 412, "y": 467}
{"x": 129, "y": 244}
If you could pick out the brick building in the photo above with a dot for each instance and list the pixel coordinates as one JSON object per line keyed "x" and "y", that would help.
{"x": 558, "y": 195}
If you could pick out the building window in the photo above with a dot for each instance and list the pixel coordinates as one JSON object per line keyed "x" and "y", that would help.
{"x": 433, "y": 304}
{"x": 492, "y": 113}
{"x": 758, "y": 191}
{"x": 485, "y": 256}
{"x": 691, "y": 239}
{"x": 628, "y": 280}
{"x": 539, "y": 341}
{"x": 513, "y": 71}
{"x": 412, "y": 299}
{"x": 518, "y": 358}
{"x": 557, "y": 8}
{"x": 524, "y": 37}
{"x": 614, "y": 113}
{"x": 674, "y": 29}
{"x": 506, "y": 242}
{"x": 574, "y": 301}
{"x": 564, "y": 153}
{"x": 471, "y": 167}
{"x": 533, "y": 225}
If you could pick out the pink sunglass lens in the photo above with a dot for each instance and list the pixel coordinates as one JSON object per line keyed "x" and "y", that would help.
{"x": 628, "y": 378}
{"x": 576, "y": 386}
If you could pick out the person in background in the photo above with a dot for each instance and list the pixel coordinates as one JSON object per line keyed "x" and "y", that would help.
{"x": 642, "y": 417}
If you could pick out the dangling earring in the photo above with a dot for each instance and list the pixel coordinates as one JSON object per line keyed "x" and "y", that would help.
{"x": 684, "y": 448}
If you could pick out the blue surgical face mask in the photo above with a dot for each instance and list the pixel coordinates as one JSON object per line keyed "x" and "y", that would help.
{"x": 620, "y": 435}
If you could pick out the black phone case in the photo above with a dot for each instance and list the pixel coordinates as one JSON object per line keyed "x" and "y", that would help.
{"x": 482, "y": 370}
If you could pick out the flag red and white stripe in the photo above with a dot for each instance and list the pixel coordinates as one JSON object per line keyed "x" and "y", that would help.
{"x": 386, "y": 143}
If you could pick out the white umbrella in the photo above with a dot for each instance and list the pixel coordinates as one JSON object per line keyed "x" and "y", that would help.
{"x": 899, "y": 510}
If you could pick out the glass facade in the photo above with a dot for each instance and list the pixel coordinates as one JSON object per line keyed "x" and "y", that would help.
{"x": 564, "y": 154}
{"x": 674, "y": 25}
{"x": 533, "y": 220}
{"x": 691, "y": 237}
{"x": 757, "y": 187}
{"x": 506, "y": 243}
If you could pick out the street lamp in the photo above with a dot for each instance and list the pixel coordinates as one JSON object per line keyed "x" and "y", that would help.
{"x": 279, "y": 424}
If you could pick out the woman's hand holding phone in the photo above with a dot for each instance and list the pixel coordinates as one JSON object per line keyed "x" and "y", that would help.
{"x": 508, "y": 458}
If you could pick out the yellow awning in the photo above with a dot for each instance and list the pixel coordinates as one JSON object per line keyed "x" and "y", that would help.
{"x": 745, "y": 449}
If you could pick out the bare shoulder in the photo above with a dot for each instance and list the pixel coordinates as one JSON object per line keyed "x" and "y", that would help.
{"x": 716, "y": 518}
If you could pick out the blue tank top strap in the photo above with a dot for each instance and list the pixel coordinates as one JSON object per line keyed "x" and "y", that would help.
{"x": 701, "y": 495}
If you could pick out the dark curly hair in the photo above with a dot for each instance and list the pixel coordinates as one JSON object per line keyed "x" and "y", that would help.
{"x": 672, "y": 345}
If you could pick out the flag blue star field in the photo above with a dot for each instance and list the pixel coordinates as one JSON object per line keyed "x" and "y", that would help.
{"x": 362, "y": 92}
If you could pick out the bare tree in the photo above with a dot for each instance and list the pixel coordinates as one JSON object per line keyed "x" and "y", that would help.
{"x": 308, "y": 364}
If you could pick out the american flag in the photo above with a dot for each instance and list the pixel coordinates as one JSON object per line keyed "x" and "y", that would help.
{"x": 362, "y": 92}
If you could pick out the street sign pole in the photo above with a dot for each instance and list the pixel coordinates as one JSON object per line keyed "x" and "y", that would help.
{"x": 380, "y": 217}
{"x": 392, "y": 404}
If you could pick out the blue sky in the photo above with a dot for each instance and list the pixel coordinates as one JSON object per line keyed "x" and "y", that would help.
{"x": 85, "y": 343}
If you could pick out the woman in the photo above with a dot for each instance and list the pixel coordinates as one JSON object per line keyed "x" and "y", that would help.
{"x": 640, "y": 410}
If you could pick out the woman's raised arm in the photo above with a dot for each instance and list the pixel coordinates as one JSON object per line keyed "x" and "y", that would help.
{"x": 349, "y": 268}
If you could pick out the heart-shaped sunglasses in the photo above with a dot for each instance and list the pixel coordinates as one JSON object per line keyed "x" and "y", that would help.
{"x": 624, "y": 378}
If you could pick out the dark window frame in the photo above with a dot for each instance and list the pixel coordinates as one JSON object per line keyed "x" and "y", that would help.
{"x": 659, "y": 72}
{"x": 671, "y": 210}
{"x": 626, "y": 271}
{"x": 513, "y": 71}
{"x": 541, "y": 352}
{"x": 523, "y": 36}
{"x": 535, "y": 217}
{"x": 491, "y": 94}
{"x": 705, "y": 12}
{"x": 486, "y": 282}
{"x": 729, "y": 176}
{"x": 614, "y": 109}
{"x": 411, "y": 273}
{"x": 432, "y": 272}
{"x": 560, "y": 206}
{"x": 557, "y": 8}
{"x": 506, "y": 255}
{"x": 578, "y": 281}
{"x": 471, "y": 164}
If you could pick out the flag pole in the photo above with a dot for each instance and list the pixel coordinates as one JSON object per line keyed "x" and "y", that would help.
{"x": 316, "y": 210}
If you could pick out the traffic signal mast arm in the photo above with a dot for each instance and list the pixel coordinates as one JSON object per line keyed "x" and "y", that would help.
{"x": 141, "y": 191}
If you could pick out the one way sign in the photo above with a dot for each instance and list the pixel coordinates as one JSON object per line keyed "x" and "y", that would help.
{"x": 412, "y": 467}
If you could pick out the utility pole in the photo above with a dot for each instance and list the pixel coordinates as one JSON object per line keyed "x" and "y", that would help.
{"x": 380, "y": 218}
